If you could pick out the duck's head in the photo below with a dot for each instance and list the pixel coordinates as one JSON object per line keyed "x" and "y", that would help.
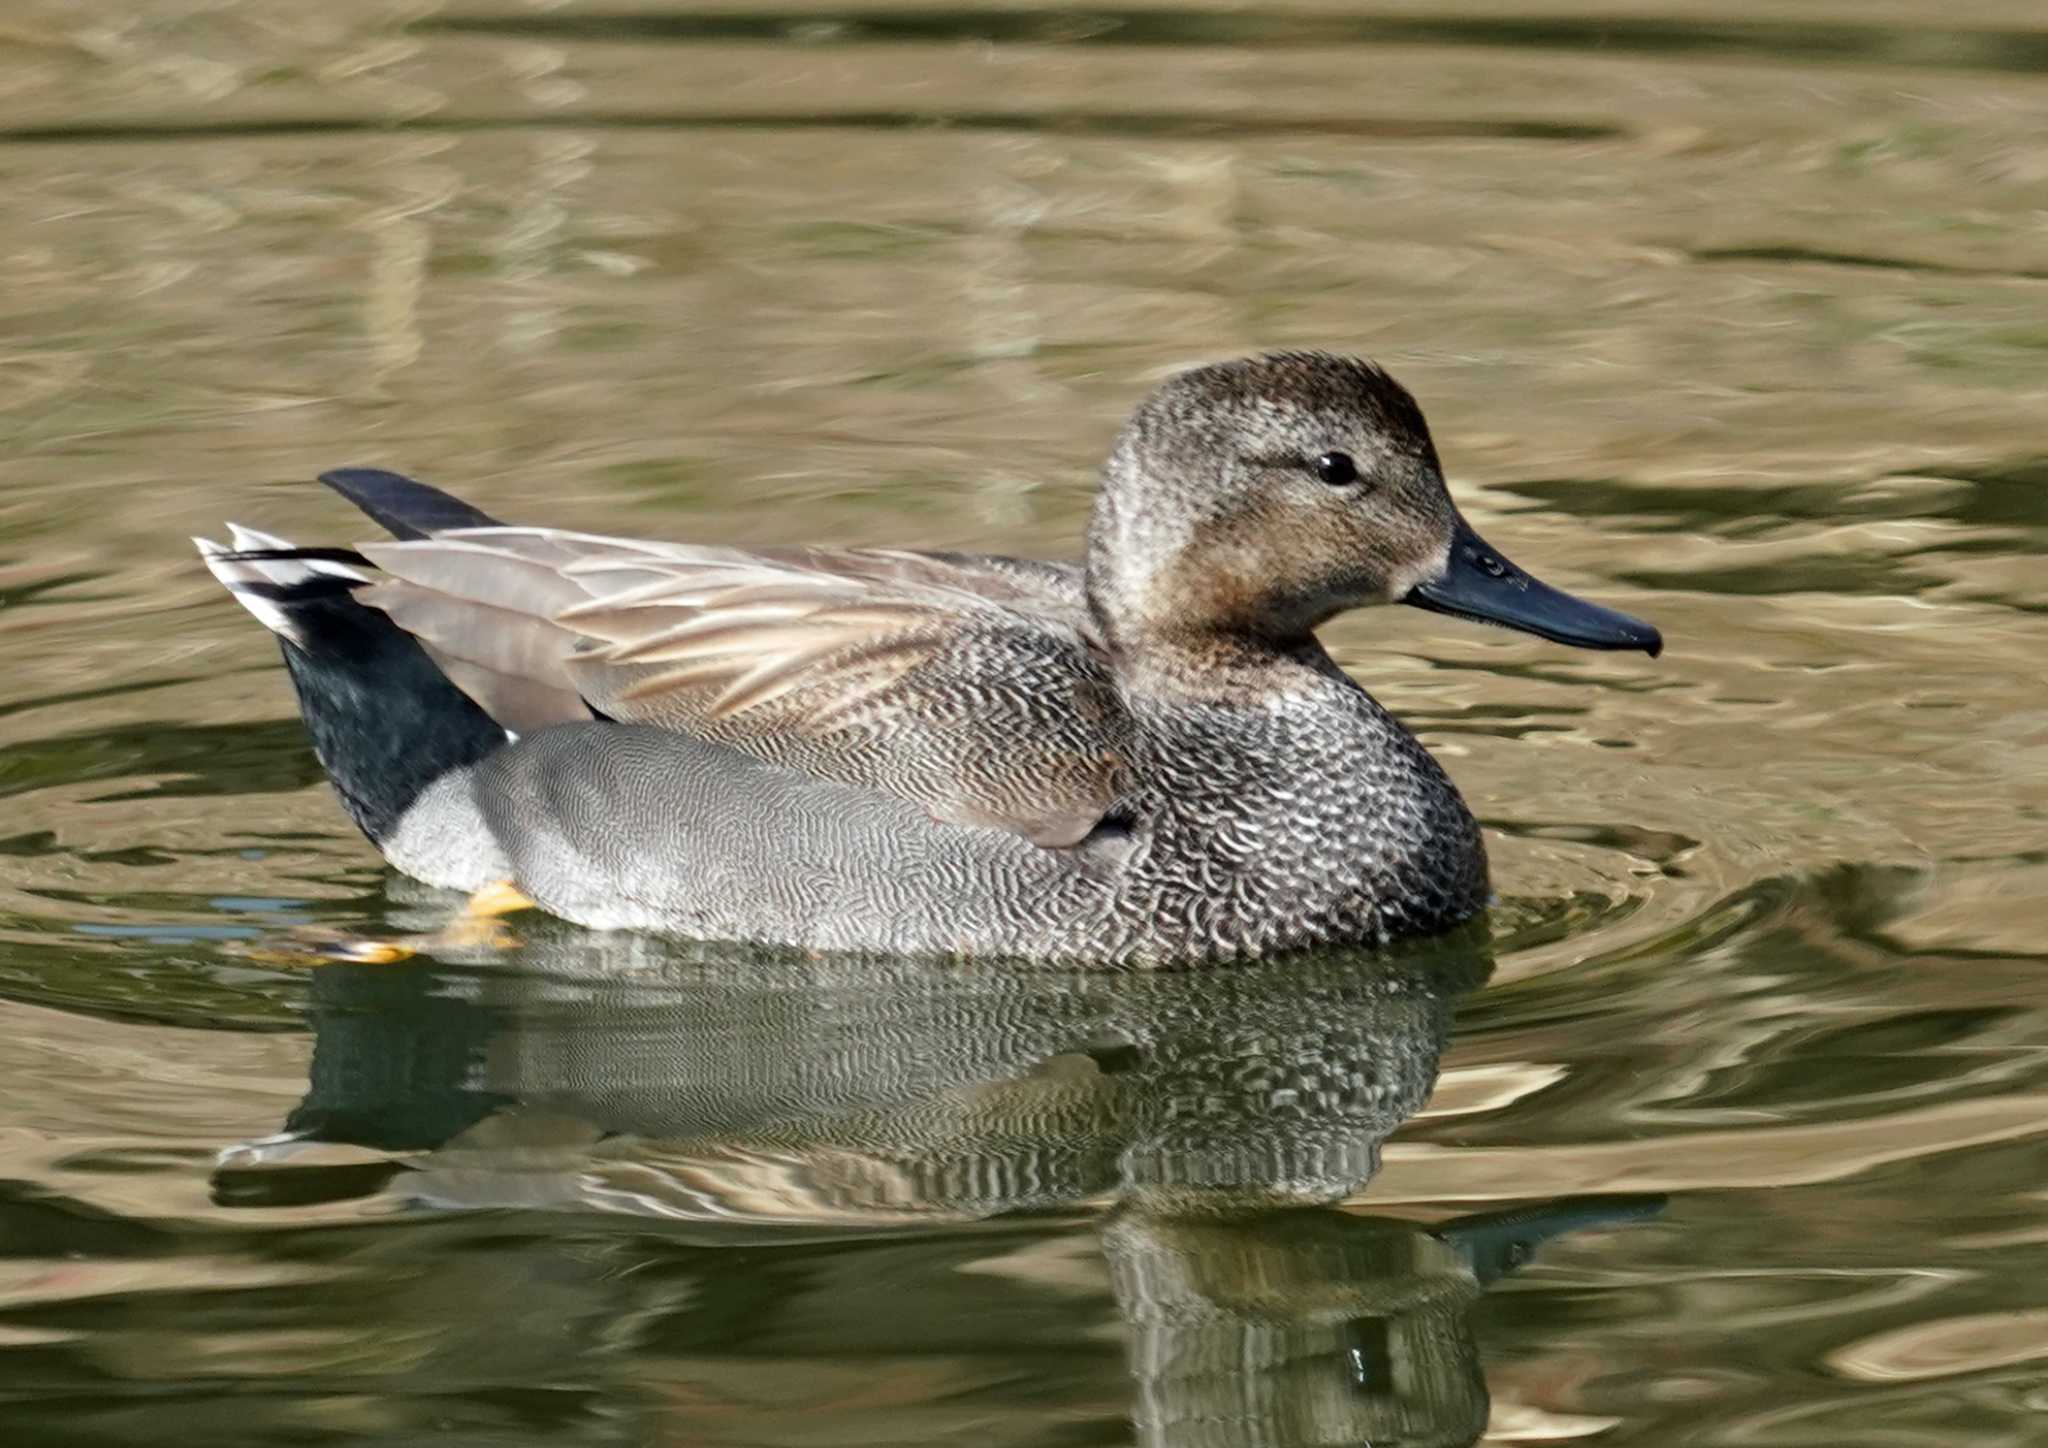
{"x": 1255, "y": 499}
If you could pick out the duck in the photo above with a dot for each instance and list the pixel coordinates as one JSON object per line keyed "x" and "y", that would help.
{"x": 1143, "y": 758}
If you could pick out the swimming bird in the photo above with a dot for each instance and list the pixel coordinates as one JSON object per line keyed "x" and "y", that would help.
{"x": 1143, "y": 758}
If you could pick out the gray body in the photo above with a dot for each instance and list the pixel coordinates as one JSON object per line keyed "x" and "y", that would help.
{"x": 1229, "y": 850}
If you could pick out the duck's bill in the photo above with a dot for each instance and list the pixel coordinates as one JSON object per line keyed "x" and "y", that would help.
{"x": 1480, "y": 583}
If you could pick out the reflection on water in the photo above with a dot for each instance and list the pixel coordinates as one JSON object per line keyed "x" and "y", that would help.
{"x": 906, "y": 1089}
{"x": 1727, "y": 313}
{"x": 1201, "y": 1123}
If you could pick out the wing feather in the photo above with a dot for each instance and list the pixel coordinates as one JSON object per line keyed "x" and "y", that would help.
{"x": 965, "y": 684}
{"x": 480, "y": 573}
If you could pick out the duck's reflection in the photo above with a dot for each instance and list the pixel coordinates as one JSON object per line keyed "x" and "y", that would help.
{"x": 1205, "y": 1121}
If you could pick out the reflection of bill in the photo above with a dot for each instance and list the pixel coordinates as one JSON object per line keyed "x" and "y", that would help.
{"x": 1215, "y": 1116}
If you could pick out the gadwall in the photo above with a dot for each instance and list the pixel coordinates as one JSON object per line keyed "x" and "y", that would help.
{"x": 1145, "y": 758}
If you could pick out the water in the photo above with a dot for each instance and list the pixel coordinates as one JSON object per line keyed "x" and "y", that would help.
{"x": 1726, "y": 1129}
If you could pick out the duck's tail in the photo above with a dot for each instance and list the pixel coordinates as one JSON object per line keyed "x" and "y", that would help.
{"x": 385, "y": 721}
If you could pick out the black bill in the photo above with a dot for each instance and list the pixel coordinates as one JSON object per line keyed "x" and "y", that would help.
{"x": 1478, "y": 583}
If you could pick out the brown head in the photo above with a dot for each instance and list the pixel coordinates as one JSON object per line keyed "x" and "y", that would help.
{"x": 1253, "y": 500}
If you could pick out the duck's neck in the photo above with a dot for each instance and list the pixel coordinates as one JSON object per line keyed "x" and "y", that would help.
{"x": 1187, "y": 665}
{"x": 1304, "y": 809}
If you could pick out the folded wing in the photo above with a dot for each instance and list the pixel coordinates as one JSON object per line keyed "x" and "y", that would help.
{"x": 965, "y": 684}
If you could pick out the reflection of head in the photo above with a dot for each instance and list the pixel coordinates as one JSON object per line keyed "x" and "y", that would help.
{"x": 1297, "y": 1328}
{"x": 1277, "y": 1329}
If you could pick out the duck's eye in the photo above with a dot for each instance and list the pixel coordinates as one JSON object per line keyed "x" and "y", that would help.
{"x": 1336, "y": 469}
